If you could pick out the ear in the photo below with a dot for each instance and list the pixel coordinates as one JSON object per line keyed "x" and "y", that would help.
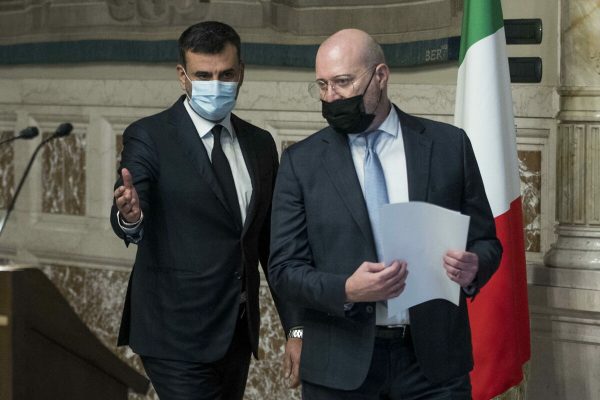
{"x": 183, "y": 81}
{"x": 383, "y": 74}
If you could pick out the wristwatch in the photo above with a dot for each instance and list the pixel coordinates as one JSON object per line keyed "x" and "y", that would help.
{"x": 295, "y": 333}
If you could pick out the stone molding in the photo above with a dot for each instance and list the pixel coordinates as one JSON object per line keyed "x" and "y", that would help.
{"x": 578, "y": 196}
{"x": 581, "y": 104}
{"x": 275, "y": 21}
{"x": 274, "y": 32}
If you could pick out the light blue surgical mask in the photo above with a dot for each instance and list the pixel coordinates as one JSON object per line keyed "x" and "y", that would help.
{"x": 212, "y": 100}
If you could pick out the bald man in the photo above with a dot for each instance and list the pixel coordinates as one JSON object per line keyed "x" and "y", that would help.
{"x": 325, "y": 243}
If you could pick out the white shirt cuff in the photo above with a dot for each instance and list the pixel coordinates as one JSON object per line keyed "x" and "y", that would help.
{"x": 130, "y": 228}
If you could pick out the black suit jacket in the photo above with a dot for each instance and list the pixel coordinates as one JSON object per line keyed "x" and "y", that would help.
{"x": 184, "y": 291}
{"x": 321, "y": 233}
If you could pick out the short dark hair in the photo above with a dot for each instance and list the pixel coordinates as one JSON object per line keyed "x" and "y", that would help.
{"x": 208, "y": 37}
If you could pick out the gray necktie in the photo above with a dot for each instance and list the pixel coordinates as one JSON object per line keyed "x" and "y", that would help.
{"x": 376, "y": 193}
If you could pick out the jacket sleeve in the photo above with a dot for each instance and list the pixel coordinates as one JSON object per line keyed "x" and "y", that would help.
{"x": 139, "y": 157}
{"x": 289, "y": 314}
{"x": 291, "y": 266}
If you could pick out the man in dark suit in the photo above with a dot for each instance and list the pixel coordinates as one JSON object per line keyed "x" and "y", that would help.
{"x": 195, "y": 195}
{"x": 325, "y": 240}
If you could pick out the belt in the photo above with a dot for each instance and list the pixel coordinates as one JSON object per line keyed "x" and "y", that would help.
{"x": 393, "y": 332}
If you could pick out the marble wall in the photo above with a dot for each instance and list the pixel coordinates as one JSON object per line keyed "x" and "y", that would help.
{"x": 97, "y": 295}
{"x": 7, "y": 176}
{"x": 530, "y": 170}
{"x": 61, "y": 219}
{"x": 63, "y": 175}
{"x": 565, "y": 299}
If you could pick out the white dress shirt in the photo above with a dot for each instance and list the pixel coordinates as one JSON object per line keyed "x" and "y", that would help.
{"x": 232, "y": 150}
{"x": 390, "y": 149}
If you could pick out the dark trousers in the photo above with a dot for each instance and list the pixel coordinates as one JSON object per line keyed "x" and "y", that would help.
{"x": 224, "y": 379}
{"x": 394, "y": 374}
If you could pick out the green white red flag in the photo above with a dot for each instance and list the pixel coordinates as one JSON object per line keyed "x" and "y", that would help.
{"x": 499, "y": 315}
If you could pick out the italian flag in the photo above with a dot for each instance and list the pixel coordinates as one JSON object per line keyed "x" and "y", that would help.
{"x": 499, "y": 314}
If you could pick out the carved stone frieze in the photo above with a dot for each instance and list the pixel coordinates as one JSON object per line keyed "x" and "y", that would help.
{"x": 156, "y": 11}
{"x": 313, "y": 17}
{"x": 259, "y": 21}
{"x": 121, "y": 10}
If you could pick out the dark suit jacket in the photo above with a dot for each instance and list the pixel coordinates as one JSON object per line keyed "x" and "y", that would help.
{"x": 183, "y": 297}
{"x": 321, "y": 233}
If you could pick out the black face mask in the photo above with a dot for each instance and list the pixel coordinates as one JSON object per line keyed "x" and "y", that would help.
{"x": 348, "y": 115}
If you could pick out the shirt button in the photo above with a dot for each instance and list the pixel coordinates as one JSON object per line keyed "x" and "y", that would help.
{"x": 369, "y": 309}
{"x": 237, "y": 275}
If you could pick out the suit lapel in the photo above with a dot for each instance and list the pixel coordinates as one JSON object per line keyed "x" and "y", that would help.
{"x": 187, "y": 135}
{"x": 251, "y": 159}
{"x": 417, "y": 150}
{"x": 340, "y": 167}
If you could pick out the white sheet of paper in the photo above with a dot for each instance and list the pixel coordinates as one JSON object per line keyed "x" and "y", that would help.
{"x": 420, "y": 234}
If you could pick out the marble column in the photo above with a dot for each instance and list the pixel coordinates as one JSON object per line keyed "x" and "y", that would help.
{"x": 578, "y": 157}
{"x": 564, "y": 294}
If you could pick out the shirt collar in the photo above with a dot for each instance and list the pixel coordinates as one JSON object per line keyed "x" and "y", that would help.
{"x": 204, "y": 126}
{"x": 391, "y": 126}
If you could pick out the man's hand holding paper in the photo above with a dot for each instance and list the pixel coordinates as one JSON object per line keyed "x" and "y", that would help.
{"x": 375, "y": 282}
{"x": 461, "y": 266}
{"x": 427, "y": 237}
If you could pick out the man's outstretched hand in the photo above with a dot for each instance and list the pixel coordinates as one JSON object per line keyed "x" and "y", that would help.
{"x": 126, "y": 199}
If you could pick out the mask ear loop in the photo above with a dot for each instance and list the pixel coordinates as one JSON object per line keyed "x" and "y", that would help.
{"x": 365, "y": 91}
{"x": 186, "y": 75}
{"x": 185, "y": 91}
{"x": 380, "y": 92}
{"x": 370, "y": 79}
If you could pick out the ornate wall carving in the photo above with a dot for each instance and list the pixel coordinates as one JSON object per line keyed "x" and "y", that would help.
{"x": 67, "y": 31}
{"x": 159, "y": 12}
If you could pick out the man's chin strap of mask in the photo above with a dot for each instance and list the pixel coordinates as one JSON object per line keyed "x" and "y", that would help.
{"x": 378, "y": 100}
{"x": 367, "y": 88}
